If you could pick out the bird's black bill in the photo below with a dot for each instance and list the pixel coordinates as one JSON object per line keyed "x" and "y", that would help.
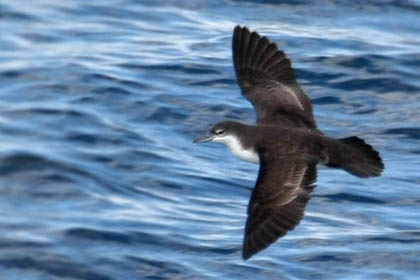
{"x": 206, "y": 138}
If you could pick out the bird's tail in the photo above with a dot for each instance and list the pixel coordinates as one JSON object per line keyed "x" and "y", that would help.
{"x": 355, "y": 156}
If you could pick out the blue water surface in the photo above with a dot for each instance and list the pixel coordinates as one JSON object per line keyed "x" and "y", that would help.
{"x": 100, "y": 101}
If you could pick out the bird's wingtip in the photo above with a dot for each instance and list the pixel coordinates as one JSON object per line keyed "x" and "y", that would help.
{"x": 246, "y": 253}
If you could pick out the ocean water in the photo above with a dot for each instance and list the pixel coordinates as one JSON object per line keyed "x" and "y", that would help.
{"x": 100, "y": 101}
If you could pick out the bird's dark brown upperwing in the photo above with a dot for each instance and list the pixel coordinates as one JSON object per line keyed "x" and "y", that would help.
{"x": 268, "y": 81}
{"x": 278, "y": 201}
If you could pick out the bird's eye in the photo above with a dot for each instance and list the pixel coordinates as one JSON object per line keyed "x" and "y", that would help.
{"x": 220, "y": 132}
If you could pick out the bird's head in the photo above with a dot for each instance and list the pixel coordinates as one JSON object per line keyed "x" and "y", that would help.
{"x": 221, "y": 132}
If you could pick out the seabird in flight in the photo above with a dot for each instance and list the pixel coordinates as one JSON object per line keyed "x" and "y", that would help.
{"x": 285, "y": 141}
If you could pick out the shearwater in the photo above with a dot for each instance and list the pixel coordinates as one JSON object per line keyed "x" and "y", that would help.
{"x": 285, "y": 142}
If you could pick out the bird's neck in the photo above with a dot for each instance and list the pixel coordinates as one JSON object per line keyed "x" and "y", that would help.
{"x": 236, "y": 146}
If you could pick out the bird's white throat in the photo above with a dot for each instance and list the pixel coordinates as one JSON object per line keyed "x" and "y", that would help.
{"x": 237, "y": 148}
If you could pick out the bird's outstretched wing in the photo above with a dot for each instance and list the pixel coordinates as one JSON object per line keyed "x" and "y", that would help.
{"x": 268, "y": 81}
{"x": 278, "y": 201}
